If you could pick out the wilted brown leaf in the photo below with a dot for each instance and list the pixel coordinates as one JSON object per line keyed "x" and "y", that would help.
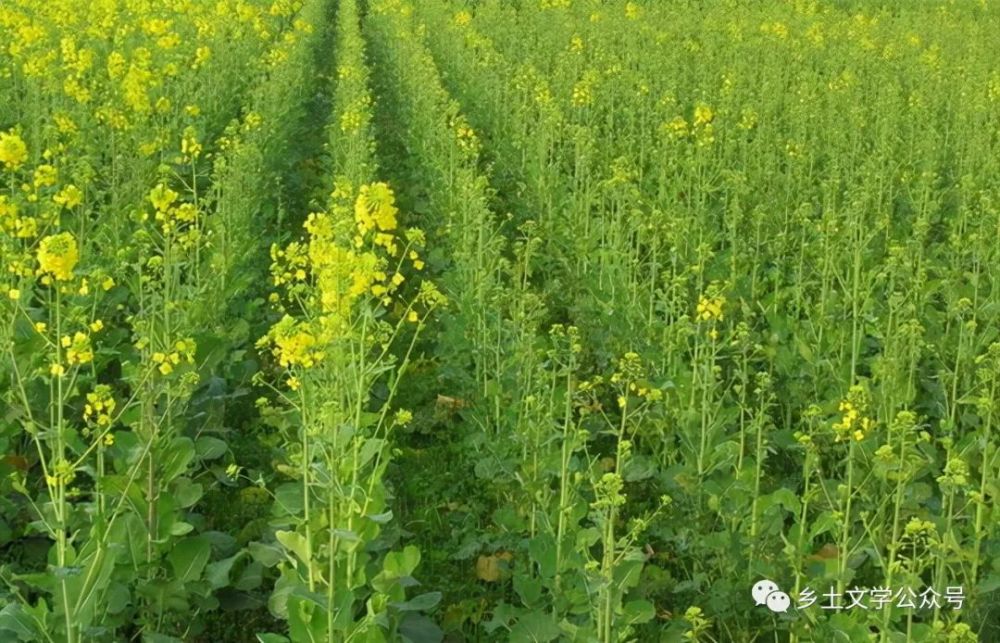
{"x": 489, "y": 569}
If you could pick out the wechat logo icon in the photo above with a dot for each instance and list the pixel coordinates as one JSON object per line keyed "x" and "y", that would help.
{"x": 766, "y": 592}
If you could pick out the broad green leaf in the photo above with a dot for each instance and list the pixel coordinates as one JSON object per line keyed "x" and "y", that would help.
{"x": 535, "y": 627}
{"x": 295, "y": 543}
{"x": 543, "y": 552}
{"x": 420, "y": 603}
{"x": 189, "y": 557}
{"x": 402, "y": 563}
{"x": 178, "y": 456}
{"x": 528, "y": 588}
{"x": 186, "y": 492}
{"x": 417, "y": 628}
{"x": 250, "y": 578}
{"x": 16, "y": 622}
{"x": 217, "y": 573}
{"x": 210, "y": 448}
{"x": 266, "y": 554}
{"x": 306, "y": 620}
{"x": 272, "y": 638}
{"x": 640, "y": 611}
{"x": 181, "y": 528}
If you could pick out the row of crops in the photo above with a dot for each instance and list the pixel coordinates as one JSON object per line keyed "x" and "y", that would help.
{"x": 551, "y": 320}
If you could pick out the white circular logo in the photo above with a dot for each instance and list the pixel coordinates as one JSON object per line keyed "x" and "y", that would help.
{"x": 767, "y": 592}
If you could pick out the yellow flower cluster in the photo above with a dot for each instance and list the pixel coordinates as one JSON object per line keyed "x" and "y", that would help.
{"x": 703, "y": 115}
{"x": 853, "y": 423}
{"x": 183, "y": 351}
{"x": 675, "y": 128}
{"x": 62, "y": 474}
{"x": 352, "y": 252}
{"x": 375, "y": 209}
{"x": 710, "y": 308}
{"x": 289, "y": 265}
{"x": 13, "y": 151}
{"x": 583, "y": 90}
{"x": 351, "y": 121}
{"x": 68, "y": 197}
{"x": 9, "y": 221}
{"x": 467, "y": 139}
{"x": 100, "y": 405}
{"x": 45, "y": 176}
{"x": 190, "y": 147}
{"x": 57, "y": 256}
{"x": 78, "y": 348}
{"x": 179, "y": 219}
{"x": 294, "y": 343}
{"x": 700, "y": 129}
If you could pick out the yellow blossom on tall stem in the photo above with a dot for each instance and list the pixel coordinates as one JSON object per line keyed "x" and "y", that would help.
{"x": 710, "y": 308}
{"x": 58, "y": 255}
{"x": 374, "y": 208}
{"x": 13, "y": 151}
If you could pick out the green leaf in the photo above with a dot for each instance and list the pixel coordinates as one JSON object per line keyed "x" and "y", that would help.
{"x": 824, "y": 522}
{"x": 535, "y": 626}
{"x": 209, "y": 448}
{"x": 543, "y": 552}
{"x": 640, "y": 467}
{"x": 420, "y": 603}
{"x": 180, "y": 453}
{"x": 508, "y": 518}
{"x": 529, "y": 589}
{"x": 787, "y": 499}
{"x": 368, "y": 450}
{"x": 181, "y": 528}
{"x": 382, "y": 518}
{"x": 217, "y": 574}
{"x": 250, "y": 578}
{"x": 640, "y": 611}
{"x": 188, "y": 558}
{"x": 988, "y": 584}
{"x": 295, "y": 543}
{"x": 186, "y": 492}
{"x": 287, "y": 583}
{"x": 288, "y": 499}
{"x": 156, "y": 637}
{"x": 266, "y": 555}
{"x": 402, "y": 563}
{"x": 268, "y": 637}
{"x": 306, "y": 620}
{"x": 417, "y": 628}
{"x": 13, "y": 619}
{"x": 117, "y": 598}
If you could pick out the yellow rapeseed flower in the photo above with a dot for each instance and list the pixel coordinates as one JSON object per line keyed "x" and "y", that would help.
{"x": 69, "y": 197}
{"x": 710, "y": 309}
{"x": 58, "y": 255}
{"x": 80, "y": 351}
{"x": 162, "y": 197}
{"x": 375, "y": 207}
{"x": 45, "y": 176}
{"x": 13, "y": 151}
{"x": 703, "y": 115}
